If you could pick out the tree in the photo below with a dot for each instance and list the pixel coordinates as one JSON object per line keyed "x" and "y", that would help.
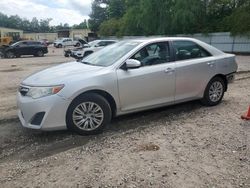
{"x": 116, "y": 9}
{"x": 187, "y": 16}
{"x": 82, "y": 25}
{"x": 35, "y": 25}
{"x": 239, "y": 21}
{"x": 44, "y": 25}
{"x": 110, "y": 27}
{"x": 98, "y": 14}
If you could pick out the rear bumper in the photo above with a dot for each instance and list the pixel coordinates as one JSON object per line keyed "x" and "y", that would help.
{"x": 230, "y": 77}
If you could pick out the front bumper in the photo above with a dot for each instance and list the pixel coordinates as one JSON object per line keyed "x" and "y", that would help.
{"x": 53, "y": 109}
{"x": 76, "y": 55}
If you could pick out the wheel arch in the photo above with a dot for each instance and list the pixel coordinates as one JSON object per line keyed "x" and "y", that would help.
{"x": 105, "y": 95}
{"x": 223, "y": 77}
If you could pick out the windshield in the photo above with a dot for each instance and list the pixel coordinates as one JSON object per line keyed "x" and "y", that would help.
{"x": 14, "y": 44}
{"x": 110, "y": 54}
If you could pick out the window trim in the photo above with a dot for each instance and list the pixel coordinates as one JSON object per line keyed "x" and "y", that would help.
{"x": 171, "y": 53}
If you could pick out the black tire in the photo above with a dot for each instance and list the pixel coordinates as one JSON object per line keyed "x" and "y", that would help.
{"x": 59, "y": 45}
{"x": 208, "y": 98}
{"x": 66, "y": 54}
{"x": 92, "y": 98}
{"x": 39, "y": 53}
{"x": 78, "y": 44}
{"x": 10, "y": 55}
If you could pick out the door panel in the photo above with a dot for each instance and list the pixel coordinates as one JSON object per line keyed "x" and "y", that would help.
{"x": 23, "y": 48}
{"x": 192, "y": 77}
{"x": 194, "y": 68}
{"x": 146, "y": 86}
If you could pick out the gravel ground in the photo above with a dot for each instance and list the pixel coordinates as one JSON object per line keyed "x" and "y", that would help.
{"x": 186, "y": 145}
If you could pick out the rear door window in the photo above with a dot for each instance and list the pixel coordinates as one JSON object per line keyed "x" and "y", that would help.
{"x": 189, "y": 50}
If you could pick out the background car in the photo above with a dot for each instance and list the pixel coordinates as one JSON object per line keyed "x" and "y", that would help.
{"x": 45, "y": 42}
{"x": 92, "y": 47}
{"x": 125, "y": 77}
{"x": 84, "y": 44}
{"x": 20, "y": 48}
{"x": 62, "y": 42}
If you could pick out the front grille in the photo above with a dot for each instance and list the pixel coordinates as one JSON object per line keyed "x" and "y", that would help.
{"x": 23, "y": 90}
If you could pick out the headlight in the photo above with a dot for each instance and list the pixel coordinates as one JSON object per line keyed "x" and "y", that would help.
{"x": 38, "y": 92}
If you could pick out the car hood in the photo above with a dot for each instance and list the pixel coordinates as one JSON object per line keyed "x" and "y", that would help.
{"x": 61, "y": 74}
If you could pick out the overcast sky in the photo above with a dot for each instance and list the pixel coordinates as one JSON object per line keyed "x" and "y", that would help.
{"x": 61, "y": 11}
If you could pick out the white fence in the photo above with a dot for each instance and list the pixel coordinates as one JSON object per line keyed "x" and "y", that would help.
{"x": 223, "y": 41}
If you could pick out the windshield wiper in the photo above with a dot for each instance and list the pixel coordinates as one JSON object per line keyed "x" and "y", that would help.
{"x": 84, "y": 62}
{"x": 87, "y": 63}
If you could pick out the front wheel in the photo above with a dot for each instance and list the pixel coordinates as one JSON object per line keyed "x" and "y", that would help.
{"x": 78, "y": 45}
{"x": 214, "y": 92}
{"x": 10, "y": 55}
{"x": 88, "y": 114}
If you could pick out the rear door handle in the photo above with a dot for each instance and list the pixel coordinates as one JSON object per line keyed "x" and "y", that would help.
{"x": 169, "y": 70}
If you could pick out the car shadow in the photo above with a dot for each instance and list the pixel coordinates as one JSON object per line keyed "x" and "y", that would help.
{"x": 32, "y": 145}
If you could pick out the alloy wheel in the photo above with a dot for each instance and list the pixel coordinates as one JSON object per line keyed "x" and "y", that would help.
{"x": 88, "y": 116}
{"x": 215, "y": 91}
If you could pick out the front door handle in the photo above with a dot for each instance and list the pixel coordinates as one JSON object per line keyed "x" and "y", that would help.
{"x": 211, "y": 64}
{"x": 169, "y": 70}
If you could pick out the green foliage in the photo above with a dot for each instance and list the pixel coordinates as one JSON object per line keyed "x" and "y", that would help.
{"x": 116, "y": 9}
{"x": 163, "y": 17}
{"x": 82, "y": 25}
{"x": 98, "y": 15}
{"x": 239, "y": 21}
{"x": 35, "y": 25}
{"x": 110, "y": 27}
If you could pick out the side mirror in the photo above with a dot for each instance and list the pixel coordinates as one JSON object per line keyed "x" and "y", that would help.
{"x": 132, "y": 64}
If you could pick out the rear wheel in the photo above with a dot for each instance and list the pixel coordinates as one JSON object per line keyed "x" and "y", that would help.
{"x": 88, "y": 114}
{"x": 214, "y": 92}
{"x": 59, "y": 46}
{"x": 39, "y": 53}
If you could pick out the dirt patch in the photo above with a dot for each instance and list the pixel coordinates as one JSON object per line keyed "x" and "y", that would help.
{"x": 148, "y": 147}
{"x": 185, "y": 145}
{"x": 11, "y": 70}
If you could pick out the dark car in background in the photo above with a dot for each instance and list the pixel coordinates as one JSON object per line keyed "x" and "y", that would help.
{"x": 20, "y": 48}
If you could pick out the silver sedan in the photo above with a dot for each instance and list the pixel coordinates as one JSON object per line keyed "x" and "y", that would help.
{"x": 125, "y": 77}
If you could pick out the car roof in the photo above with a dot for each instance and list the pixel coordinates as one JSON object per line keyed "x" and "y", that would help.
{"x": 28, "y": 41}
{"x": 208, "y": 47}
{"x": 148, "y": 39}
{"x": 99, "y": 40}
